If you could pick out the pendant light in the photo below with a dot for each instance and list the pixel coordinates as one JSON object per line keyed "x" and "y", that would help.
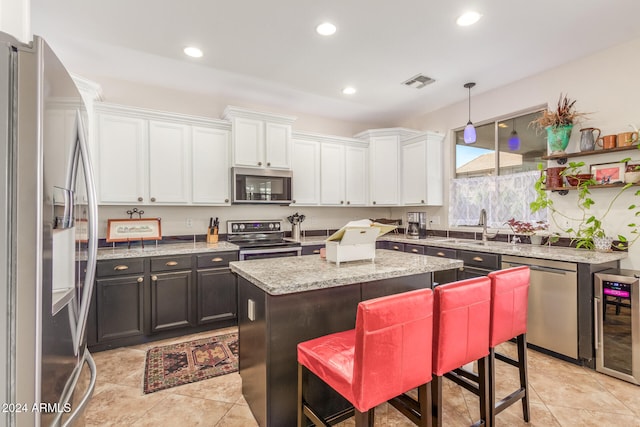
{"x": 514, "y": 138}
{"x": 469, "y": 130}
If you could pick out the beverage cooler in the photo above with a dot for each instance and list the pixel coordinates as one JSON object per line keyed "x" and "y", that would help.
{"x": 617, "y": 324}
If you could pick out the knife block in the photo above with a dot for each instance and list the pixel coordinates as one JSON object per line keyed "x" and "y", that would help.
{"x": 212, "y": 235}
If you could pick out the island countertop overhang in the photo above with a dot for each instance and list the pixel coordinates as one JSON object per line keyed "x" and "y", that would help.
{"x": 281, "y": 276}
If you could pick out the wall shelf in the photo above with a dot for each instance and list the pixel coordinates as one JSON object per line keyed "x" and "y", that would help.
{"x": 565, "y": 190}
{"x": 562, "y": 157}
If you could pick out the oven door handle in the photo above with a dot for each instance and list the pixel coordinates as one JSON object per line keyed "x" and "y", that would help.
{"x": 297, "y": 249}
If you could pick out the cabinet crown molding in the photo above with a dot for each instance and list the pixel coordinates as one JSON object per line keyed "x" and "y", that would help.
{"x": 402, "y": 133}
{"x": 318, "y": 137}
{"x": 88, "y": 86}
{"x": 429, "y": 136}
{"x": 231, "y": 112}
{"x": 145, "y": 113}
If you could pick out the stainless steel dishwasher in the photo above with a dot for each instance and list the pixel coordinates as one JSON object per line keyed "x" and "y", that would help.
{"x": 553, "y": 304}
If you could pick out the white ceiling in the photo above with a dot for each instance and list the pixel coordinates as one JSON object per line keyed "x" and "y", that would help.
{"x": 268, "y": 53}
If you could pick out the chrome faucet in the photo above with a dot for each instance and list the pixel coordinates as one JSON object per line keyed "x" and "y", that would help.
{"x": 483, "y": 223}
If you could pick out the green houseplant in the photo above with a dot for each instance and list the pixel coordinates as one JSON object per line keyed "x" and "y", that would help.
{"x": 558, "y": 123}
{"x": 589, "y": 232}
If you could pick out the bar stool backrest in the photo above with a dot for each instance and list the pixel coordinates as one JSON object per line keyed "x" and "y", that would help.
{"x": 509, "y": 304}
{"x": 392, "y": 346}
{"x": 461, "y": 323}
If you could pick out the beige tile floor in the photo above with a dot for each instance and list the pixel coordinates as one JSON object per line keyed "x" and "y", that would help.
{"x": 562, "y": 394}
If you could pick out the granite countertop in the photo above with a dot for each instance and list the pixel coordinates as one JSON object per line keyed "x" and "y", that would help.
{"x": 286, "y": 275}
{"x": 556, "y": 253}
{"x": 165, "y": 249}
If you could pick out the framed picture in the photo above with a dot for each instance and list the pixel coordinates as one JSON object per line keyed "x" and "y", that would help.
{"x": 608, "y": 173}
{"x": 123, "y": 230}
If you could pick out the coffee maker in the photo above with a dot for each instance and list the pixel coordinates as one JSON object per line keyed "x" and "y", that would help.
{"x": 416, "y": 225}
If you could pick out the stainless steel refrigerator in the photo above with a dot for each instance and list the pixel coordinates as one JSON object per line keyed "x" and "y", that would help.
{"x": 48, "y": 239}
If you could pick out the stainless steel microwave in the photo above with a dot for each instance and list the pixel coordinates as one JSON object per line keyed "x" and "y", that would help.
{"x": 261, "y": 186}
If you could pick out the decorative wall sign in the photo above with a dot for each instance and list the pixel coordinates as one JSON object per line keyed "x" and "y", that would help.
{"x": 608, "y": 173}
{"x": 123, "y": 230}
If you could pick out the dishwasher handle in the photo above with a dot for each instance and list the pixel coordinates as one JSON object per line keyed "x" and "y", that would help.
{"x": 538, "y": 268}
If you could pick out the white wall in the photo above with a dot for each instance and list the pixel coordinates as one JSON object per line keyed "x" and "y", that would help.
{"x": 606, "y": 84}
{"x": 15, "y": 19}
{"x": 174, "y": 217}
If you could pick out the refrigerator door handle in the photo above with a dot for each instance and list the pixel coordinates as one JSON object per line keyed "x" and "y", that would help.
{"x": 82, "y": 158}
{"x": 67, "y": 394}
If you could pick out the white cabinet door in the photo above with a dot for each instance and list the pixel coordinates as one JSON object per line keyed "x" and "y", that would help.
{"x": 414, "y": 173}
{"x": 332, "y": 174}
{"x": 169, "y": 162}
{"x": 384, "y": 177}
{"x": 248, "y": 142}
{"x": 305, "y": 163}
{"x": 122, "y": 168}
{"x": 277, "y": 145}
{"x": 422, "y": 171}
{"x": 356, "y": 175}
{"x": 210, "y": 166}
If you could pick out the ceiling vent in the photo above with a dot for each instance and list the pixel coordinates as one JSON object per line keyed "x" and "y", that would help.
{"x": 418, "y": 81}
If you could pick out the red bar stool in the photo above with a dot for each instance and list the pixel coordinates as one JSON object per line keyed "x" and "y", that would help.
{"x": 460, "y": 336}
{"x": 387, "y": 354}
{"x": 509, "y": 304}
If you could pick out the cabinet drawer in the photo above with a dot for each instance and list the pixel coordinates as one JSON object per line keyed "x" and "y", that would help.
{"x": 170, "y": 263}
{"x": 312, "y": 249}
{"x": 480, "y": 259}
{"x": 395, "y": 246}
{"x": 441, "y": 252}
{"x": 216, "y": 259}
{"x": 119, "y": 267}
{"x": 414, "y": 249}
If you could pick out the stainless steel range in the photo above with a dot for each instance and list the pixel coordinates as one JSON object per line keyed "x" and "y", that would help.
{"x": 261, "y": 239}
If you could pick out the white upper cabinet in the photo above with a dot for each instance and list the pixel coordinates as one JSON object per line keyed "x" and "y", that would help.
{"x": 210, "y": 168}
{"x": 422, "y": 170}
{"x": 169, "y": 162}
{"x": 332, "y": 174}
{"x": 305, "y": 166}
{"x": 260, "y": 140}
{"x": 152, "y": 157}
{"x": 356, "y": 178}
{"x": 122, "y": 159}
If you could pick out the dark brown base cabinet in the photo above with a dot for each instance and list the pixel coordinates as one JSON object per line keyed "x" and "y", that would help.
{"x": 120, "y": 308}
{"x": 145, "y": 299}
{"x": 217, "y": 296}
{"x": 171, "y": 305}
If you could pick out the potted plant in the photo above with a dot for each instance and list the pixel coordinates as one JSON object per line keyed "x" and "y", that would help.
{"x": 558, "y": 123}
{"x": 588, "y": 232}
{"x": 534, "y": 230}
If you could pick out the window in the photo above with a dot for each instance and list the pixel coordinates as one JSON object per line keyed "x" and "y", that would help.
{"x": 479, "y": 159}
{"x": 503, "y": 185}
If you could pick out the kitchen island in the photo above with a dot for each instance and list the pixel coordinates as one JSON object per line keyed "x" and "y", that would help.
{"x": 284, "y": 301}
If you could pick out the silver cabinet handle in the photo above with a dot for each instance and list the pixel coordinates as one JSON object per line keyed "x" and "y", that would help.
{"x": 316, "y": 251}
{"x": 415, "y": 251}
{"x": 596, "y": 321}
{"x": 140, "y": 199}
{"x": 153, "y": 199}
{"x": 395, "y": 248}
{"x": 478, "y": 258}
{"x": 440, "y": 253}
{"x": 121, "y": 267}
{"x": 140, "y": 280}
{"x": 154, "y": 278}
{"x": 216, "y": 259}
{"x": 171, "y": 263}
{"x": 226, "y": 200}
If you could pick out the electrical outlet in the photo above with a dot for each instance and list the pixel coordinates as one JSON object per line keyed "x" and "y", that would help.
{"x": 189, "y": 222}
{"x": 435, "y": 220}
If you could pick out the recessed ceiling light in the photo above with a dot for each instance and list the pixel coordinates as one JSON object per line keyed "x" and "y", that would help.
{"x": 326, "y": 29}
{"x": 349, "y": 90}
{"x": 193, "y": 52}
{"x": 468, "y": 18}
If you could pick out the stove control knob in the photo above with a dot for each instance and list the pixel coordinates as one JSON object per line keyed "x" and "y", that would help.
{"x": 271, "y": 225}
{"x": 277, "y": 226}
{"x": 234, "y": 227}
{"x": 241, "y": 226}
